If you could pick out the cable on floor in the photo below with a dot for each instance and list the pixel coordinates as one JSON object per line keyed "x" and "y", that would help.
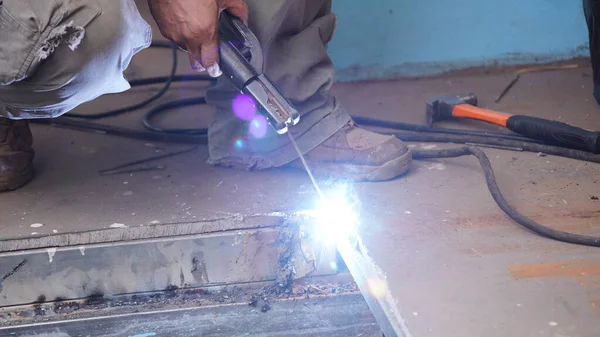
{"x": 490, "y": 179}
{"x": 404, "y": 131}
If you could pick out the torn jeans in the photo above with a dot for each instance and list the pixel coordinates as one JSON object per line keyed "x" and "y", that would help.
{"x": 56, "y": 55}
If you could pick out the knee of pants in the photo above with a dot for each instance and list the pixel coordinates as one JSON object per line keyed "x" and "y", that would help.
{"x": 69, "y": 74}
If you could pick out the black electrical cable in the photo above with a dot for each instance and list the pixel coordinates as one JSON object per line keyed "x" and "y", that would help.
{"x": 175, "y": 78}
{"x": 382, "y": 123}
{"x": 501, "y": 201}
{"x": 507, "y": 144}
{"x": 76, "y": 124}
{"x": 415, "y": 133}
{"x": 147, "y": 120}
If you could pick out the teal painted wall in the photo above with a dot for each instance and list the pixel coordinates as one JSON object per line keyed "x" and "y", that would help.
{"x": 383, "y": 39}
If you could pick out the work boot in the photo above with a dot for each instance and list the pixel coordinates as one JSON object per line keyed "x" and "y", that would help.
{"x": 16, "y": 154}
{"x": 357, "y": 154}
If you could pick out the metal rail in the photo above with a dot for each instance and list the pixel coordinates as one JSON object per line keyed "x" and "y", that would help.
{"x": 374, "y": 287}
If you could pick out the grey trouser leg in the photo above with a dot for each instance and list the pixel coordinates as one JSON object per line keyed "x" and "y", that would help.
{"x": 293, "y": 35}
{"x": 60, "y": 54}
{"x": 56, "y": 55}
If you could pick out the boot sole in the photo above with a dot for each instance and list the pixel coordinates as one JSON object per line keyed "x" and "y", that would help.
{"x": 11, "y": 180}
{"x": 389, "y": 170}
{"x": 392, "y": 169}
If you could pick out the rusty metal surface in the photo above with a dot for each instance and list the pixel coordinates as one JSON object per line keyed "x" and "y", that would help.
{"x": 328, "y": 318}
{"x": 79, "y": 272}
{"x": 315, "y": 308}
{"x": 278, "y": 254}
{"x": 371, "y": 282}
{"x": 258, "y": 295}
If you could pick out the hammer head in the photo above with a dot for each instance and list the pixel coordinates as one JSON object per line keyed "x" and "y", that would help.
{"x": 441, "y": 107}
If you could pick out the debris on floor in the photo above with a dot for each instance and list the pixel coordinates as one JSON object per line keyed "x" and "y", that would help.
{"x": 174, "y": 297}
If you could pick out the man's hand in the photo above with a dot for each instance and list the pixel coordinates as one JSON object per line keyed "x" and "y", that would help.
{"x": 193, "y": 25}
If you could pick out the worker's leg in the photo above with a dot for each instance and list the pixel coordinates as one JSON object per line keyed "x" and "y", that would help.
{"x": 592, "y": 12}
{"x": 57, "y": 55}
{"x": 79, "y": 53}
{"x": 294, "y": 35}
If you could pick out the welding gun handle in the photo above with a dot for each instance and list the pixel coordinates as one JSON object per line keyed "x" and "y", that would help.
{"x": 230, "y": 27}
{"x": 233, "y": 51}
{"x": 237, "y": 69}
{"x": 555, "y": 133}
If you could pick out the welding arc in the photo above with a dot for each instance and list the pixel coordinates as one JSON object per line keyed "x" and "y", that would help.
{"x": 414, "y": 132}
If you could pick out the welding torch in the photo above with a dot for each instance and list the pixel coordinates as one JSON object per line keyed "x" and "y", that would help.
{"x": 242, "y": 63}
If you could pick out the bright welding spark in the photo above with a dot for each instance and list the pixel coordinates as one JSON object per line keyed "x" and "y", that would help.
{"x": 336, "y": 215}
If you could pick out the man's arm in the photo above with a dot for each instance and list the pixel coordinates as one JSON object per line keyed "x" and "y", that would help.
{"x": 193, "y": 25}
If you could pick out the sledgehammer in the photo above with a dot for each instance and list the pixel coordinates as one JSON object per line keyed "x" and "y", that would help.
{"x": 551, "y": 132}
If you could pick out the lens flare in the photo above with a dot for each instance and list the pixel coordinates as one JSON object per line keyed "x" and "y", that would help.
{"x": 239, "y": 144}
{"x": 377, "y": 287}
{"x": 243, "y": 107}
{"x": 258, "y": 126}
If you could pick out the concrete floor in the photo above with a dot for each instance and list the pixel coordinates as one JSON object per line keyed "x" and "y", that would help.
{"x": 453, "y": 262}
{"x": 455, "y": 265}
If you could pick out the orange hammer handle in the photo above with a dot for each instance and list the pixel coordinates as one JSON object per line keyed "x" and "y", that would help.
{"x": 471, "y": 111}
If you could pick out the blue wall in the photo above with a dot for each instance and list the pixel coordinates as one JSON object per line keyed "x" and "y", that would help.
{"x": 380, "y": 39}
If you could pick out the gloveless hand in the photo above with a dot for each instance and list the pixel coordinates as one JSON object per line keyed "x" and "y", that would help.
{"x": 193, "y": 25}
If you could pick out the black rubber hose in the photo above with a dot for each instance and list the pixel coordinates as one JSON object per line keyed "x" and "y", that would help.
{"x": 382, "y": 123}
{"x": 493, "y": 141}
{"x": 147, "y": 120}
{"x": 193, "y": 136}
{"x": 82, "y": 125}
{"x": 176, "y": 78}
{"x": 499, "y": 198}
{"x": 172, "y": 77}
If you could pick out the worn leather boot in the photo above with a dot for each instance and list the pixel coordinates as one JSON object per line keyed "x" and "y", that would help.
{"x": 357, "y": 154}
{"x": 16, "y": 154}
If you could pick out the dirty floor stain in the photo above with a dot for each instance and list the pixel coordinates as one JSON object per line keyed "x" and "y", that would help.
{"x": 575, "y": 268}
{"x": 596, "y": 305}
